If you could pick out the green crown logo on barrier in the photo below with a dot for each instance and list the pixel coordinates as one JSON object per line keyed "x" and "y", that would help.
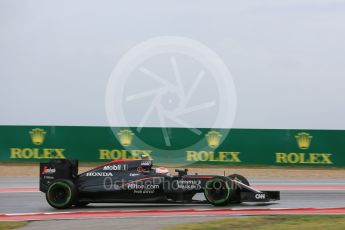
{"x": 213, "y": 139}
{"x": 37, "y": 136}
{"x": 125, "y": 137}
{"x": 303, "y": 140}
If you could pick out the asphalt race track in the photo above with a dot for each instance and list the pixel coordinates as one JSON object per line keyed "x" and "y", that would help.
{"x": 19, "y": 198}
{"x": 294, "y": 194}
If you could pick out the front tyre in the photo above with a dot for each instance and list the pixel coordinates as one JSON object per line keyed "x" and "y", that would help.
{"x": 236, "y": 199}
{"x": 61, "y": 194}
{"x": 218, "y": 191}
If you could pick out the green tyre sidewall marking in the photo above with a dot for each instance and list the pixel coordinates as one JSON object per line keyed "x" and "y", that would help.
{"x": 65, "y": 186}
{"x": 221, "y": 201}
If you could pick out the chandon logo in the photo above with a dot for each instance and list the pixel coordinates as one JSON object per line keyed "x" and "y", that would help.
{"x": 47, "y": 170}
{"x": 99, "y": 174}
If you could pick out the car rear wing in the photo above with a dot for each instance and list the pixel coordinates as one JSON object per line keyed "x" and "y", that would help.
{"x": 57, "y": 169}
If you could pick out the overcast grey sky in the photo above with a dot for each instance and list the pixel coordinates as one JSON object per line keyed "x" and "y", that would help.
{"x": 286, "y": 57}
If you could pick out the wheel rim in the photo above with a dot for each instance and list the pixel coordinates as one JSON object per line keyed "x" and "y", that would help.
{"x": 217, "y": 191}
{"x": 59, "y": 194}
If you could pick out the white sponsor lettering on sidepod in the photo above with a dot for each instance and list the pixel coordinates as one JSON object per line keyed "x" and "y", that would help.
{"x": 143, "y": 187}
{"x": 189, "y": 184}
{"x": 145, "y": 163}
{"x": 189, "y": 181}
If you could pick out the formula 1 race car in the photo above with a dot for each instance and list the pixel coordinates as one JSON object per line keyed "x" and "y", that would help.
{"x": 136, "y": 181}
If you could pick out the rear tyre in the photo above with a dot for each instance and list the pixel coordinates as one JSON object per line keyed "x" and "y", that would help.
{"x": 237, "y": 194}
{"x": 61, "y": 194}
{"x": 218, "y": 191}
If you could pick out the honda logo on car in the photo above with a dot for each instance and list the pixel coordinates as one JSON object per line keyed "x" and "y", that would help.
{"x": 99, "y": 174}
{"x": 115, "y": 167}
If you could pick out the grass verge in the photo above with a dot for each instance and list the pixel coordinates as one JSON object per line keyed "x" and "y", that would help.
{"x": 12, "y": 225}
{"x": 285, "y": 222}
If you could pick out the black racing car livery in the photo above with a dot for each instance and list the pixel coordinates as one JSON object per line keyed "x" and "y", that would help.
{"x": 137, "y": 181}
